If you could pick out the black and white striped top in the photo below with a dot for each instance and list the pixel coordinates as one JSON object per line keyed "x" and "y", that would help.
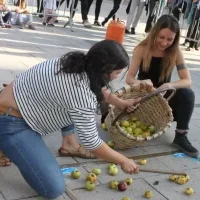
{"x": 49, "y": 101}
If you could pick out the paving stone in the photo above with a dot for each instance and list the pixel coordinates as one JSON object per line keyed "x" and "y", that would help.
{"x": 160, "y": 148}
{"x": 65, "y": 160}
{"x": 12, "y": 184}
{"x": 105, "y": 178}
{"x": 77, "y": 183}
{"x": 173, "y": 190}
{"x": 134, "y": 191}
{"x": 178, "y": 164}
{"x": 1, "y": 197}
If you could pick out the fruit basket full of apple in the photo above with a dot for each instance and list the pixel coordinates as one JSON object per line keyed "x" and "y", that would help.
{"x": 148, "y": 121}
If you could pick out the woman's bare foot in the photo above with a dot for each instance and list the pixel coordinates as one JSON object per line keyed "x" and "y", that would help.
{"x": 4, "y": 161}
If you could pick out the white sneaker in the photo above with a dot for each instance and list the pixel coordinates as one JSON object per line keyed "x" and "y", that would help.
{"x": 87, "y": 24}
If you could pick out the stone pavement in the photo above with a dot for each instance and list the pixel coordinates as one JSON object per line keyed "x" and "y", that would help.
{"x": 21, "y": 49}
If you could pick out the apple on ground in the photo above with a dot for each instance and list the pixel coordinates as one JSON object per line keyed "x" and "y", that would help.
{"x": 96, "y": 171}
{"x": 76, "y": 174}
{"x": 126, "y": 198}
{"x": 111, "y": 165}
{"x": 89, "y": 186}
{"x": 143, "y": 161}
{"x": 113, "y": 184}
{"x": 91, "y": 177}
{"x": 113, "y": 171}
{"x": 122, "y": 186}
{"x": 181, "y": 180}
{"x": 173, "y": 177}
{"x": 129, "y": 181}
{"x": 148, "y": 194}
{"x": 189, "y": 191}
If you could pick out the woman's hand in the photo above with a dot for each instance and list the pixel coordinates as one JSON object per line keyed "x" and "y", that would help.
{"x": 147, "y": 85}
{"x": 129, "y": 166}
{"x": 131, "y": 104}
{"x": 166, "y": 86}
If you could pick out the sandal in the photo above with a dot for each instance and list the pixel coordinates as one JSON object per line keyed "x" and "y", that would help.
{"x": 4, "y": 161}
{"x": 188, "y": 49}
{"x": 79, "y": 152}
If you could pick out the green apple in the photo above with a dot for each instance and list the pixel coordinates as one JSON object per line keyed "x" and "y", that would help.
{"x": 91, "y": 177}
{"x": 89, "y": 186}
{"x": 143, "y": 161}
{"x": 143, "y": 127}
{"x": 111, "y": 165}
{"x": 125, "y": 123}
{"x": 173, "y": 177}
{"x": 137, "y": 131}
{"x": 96, "y": 171}
{"x": 126, "y": 198}
{"x": 134, "y": 119}
{"x": 113, "y": 184}
{"x": 129, "y": 130}
{"x": 113, "y": 171}
{"x": 76, "y": 174}
{"x": 124, "y": 128}
{"x": 138, "y": 123}
{"x": 148, "y": 194}
{"x": 181, "y": 180}
{"x": 189, "y": 191}
{"x": 146, "y": 134}
{"x": 187, "y": 178}
{"x": 151, "y": 129}
{"x": 104, "y": 126}
{"x": 129, "y": 181}
{"x": 133, "y": 125}
{"x": 111, "y": 144}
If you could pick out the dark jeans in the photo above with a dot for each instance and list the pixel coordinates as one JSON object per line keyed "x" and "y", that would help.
{"x": 115, "y": 8}
{"x": 40, "y": 9}
{"x": 182, "y": 104}
{"x": 150, "y": 17}
{"x": 97, "y": 8}
{"x": 6, "y": 18}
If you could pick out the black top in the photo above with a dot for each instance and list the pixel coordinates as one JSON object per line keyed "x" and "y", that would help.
{"x": 153, "y": 73}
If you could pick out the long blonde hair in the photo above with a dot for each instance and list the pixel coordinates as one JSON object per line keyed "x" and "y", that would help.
{"x": 21, "y": 3}
{"x": 148, "y": 44}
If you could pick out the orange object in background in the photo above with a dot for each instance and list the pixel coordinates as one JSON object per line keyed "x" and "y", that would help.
{"x": 116, "y": 31}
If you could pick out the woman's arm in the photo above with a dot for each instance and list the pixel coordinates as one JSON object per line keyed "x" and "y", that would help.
{"x": 183, "y": 72}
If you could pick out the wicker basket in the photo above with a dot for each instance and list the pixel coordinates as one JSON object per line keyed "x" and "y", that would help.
{"x": 153, "y": 110}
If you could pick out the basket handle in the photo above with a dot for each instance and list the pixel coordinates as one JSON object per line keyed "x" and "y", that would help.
{"x": 147, "y": 96}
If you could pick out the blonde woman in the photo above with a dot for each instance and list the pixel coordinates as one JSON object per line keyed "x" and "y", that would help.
{"x": 154, "y": 59}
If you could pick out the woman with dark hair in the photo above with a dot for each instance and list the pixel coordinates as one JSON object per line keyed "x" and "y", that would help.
{"x": 62, "y": 94}
{"x": 154, "y": 60}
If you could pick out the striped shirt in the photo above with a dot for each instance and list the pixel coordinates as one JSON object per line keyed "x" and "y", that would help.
{"x": 49, "y": 101}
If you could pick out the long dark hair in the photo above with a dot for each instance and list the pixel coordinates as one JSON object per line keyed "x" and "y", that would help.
{"x": 99, "y": 62}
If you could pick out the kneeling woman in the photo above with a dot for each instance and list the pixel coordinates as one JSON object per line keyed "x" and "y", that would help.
{"x": 58, "y": 94}
{"x": 155, "y": 58}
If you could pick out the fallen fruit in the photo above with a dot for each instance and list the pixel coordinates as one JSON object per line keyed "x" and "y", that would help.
{"x": 122, "y": 186}
{"x": 91, "y": 177}
{"x": 113, "y": 184}
{"x": 126, "y": 198}
{"x": 76, "y": 174}
{"x": 173, "y": 177}
{"x": 129, "y": 181}
{"x": 189, "y": 191}
{"x": 181, "y": 180}
{"x": 96, "y": 171}
{"x": 89, "y": 186}
{"x": 113, "y": 170}
{"x": 143, "y": 161}
{"x": 187, "y": 178}
{"x": 111, "y": 144}
{"x": 148, "y": 194}
{"x": 111, "y": 165}
{"x": 104, "y": 126}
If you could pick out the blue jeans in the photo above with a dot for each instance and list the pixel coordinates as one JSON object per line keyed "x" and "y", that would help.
{"x": 27, "y": 150}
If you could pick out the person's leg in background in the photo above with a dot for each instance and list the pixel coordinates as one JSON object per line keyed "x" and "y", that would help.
{"x": 27, "y": 150}
{"x": 131, "y": 15}
{"x": 150, "y": 17}
{"x": 84, "y": 13}
{"x": 28, "y": 19}
{"x": 137, "y": 16}
{"x": 7, "y": 19}
{"x": 97, "y": 12}
{"x": 116, "y": 6}
{"x": 182, "y": 104}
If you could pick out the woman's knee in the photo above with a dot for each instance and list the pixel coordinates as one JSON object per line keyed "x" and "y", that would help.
{"x": 186, "y": 94}
{"x": 55, "y": 189}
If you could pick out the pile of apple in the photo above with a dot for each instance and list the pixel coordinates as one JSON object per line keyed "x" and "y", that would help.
{"x": 136, "y": 128}
{"x": 182, "y": 180}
